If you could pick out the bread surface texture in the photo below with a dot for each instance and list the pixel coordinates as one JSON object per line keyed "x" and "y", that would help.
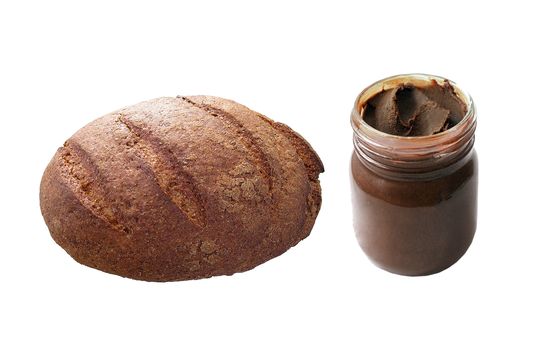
{"x": 179, "y": 188}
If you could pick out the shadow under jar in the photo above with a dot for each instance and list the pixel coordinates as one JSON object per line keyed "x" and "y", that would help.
{"x": 415, "y": 197}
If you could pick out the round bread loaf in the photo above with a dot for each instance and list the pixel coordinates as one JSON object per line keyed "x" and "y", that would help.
{"x": 181, "y": 188}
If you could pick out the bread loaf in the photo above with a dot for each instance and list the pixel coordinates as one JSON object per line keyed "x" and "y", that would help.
{"x": 179, "y": 188}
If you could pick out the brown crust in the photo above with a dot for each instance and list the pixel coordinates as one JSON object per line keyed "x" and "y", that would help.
{"x": 181, "y": 188}
{"x": 314, "y": 167}
{"x": 310, "y": 158}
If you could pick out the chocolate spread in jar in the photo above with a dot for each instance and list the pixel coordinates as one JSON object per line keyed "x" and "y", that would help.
{"x": 414, "y": 198}
{"x": 416, "y": 227}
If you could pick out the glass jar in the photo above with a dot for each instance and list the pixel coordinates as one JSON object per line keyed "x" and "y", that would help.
{"x": 414, "y": 198}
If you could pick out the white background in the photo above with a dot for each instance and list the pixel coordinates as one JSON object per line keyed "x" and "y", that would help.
{"x": 62, "y": 64}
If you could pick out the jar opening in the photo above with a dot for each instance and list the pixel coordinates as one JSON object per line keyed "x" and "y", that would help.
{"x": 411, "y": 154}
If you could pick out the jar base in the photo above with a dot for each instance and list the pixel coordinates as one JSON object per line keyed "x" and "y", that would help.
{"x": 417, "y": 273}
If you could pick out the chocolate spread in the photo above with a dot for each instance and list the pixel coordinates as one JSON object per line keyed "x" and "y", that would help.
{"x": 409, "y": 110}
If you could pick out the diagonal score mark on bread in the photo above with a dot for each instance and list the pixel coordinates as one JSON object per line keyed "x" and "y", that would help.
{"x": 245, "y": 137}
{"x": 313, "y": 165}
{"x": 176, "y": 184}
{"x": 309, "y": 157}
{"x": 83, "y": 179}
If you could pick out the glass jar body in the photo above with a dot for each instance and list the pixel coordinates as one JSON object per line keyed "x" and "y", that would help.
{"x": 415, "y": 227}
